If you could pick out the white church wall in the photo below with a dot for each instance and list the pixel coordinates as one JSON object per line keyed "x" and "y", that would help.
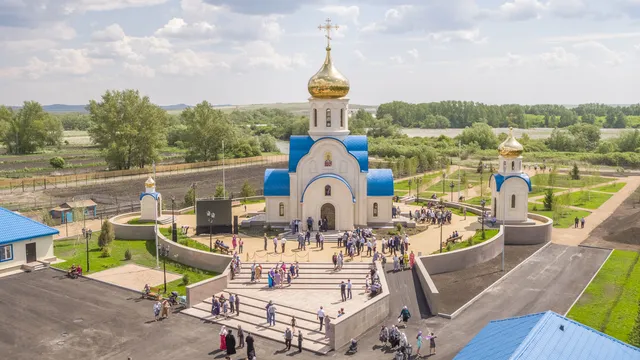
{"x": 338, "y": 111}
{"x": 502, "y": 200}
{"x": 272, "y": 204}
{"x": 313, "y": 164}
{"x": 147, "y": 208}
{"x": 384, "y": 209}
{"x": 340, "y": 198}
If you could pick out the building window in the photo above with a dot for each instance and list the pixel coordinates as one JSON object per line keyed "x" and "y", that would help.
{"x": 375, "y": 209}
{"x": 6, "y": 253}
{"x": 327, "y": 190}
{"x": 513, "y": 166}
{"x": 328, "y": 118}
{"x": 315, "y": 117}
{"x": 281, "y": 209}
{"x": 504, "y": 166}
{"x": 341, "y": 118}
{"x": 513, "y": 201}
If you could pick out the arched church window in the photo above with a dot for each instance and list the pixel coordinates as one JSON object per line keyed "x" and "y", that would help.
{"x": 504, "y": 165}
{"x": 327, "y": 190}
{"x": 513, "y": 201}
{"x": 513, "y": 166}
{"x": 315, "y": 117}
{"x": 328, "y": 117}
{"x": 281, "y": 209}
{"x": 375, "y": 209}
{"x": 341, "y": 118}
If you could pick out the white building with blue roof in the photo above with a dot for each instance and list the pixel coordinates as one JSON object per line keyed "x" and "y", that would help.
{"x": 23, "y": 241}
{"x": 328, "y": 174}
{"x": 544, "y": 336}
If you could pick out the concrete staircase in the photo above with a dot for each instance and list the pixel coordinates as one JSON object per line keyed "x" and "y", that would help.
{"x": 34, "y": 266}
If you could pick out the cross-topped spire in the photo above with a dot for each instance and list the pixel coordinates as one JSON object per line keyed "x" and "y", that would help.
{"x": 328, "y": 27}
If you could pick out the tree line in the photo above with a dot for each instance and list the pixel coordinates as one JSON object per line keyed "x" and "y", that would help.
{"x": 461, "y": 114}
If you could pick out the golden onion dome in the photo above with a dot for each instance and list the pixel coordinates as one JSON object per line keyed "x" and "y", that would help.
{"x": 328, "y": 82}
{"x": 149, "y": 183}
{"x": 510, "y": 148}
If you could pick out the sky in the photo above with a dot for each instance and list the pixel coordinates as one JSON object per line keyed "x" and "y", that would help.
{"x": 264, "y": 51}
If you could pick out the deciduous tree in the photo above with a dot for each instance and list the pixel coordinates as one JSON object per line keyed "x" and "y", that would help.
{"x": 207, "y": 128}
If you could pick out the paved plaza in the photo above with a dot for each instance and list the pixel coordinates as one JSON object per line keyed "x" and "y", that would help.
{"x": 134, "y": 277}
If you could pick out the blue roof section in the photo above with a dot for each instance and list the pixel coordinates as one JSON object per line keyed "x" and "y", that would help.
{"x": 153, "y": 194}
{"x": 500, "y": 179}
{"x": 380, "y": 182}
{"x": 276, "y": 182}
{"x": 331, "y": 176}
{"x": 14, "y": 227}
{"x": 356, "y": 145}
{"x": 539, "y": 337}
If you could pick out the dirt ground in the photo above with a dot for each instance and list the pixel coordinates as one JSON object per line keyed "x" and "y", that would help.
{"x": 457, "y": 288}
{"x": 621, "y": 230}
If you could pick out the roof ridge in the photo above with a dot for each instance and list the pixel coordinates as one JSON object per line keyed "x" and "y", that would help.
{"x": 526, "y": 342}
{"x": 28, "y": 218}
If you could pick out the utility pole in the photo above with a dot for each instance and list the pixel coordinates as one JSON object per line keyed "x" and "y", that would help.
{"x": 459, "y": 154}
{"x": 224, "y": 188}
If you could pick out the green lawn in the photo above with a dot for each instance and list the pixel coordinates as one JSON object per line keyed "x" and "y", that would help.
{"x": 564, "y": 220}
{"x": 137, "y": 221}
{"x": 447, "y": 186}
{"x": 610, "y": 302}
{"x": 185, "y": 240}
{"x": 404, "y": 184}
{"x": 565, "y": 181}
{"x": 475, "y": 240}
{"x": 143, "y": 253}
{"x": 476, "y": 201}
{"x": 472, "y": 176}
{"x": 538, "y": 191}
{"x": 585, "y": 199}
{"x": 611, "y": 188}
{"x": 251, "y": 201}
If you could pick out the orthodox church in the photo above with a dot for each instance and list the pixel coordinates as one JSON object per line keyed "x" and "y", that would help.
{"x": 328, "y": 175}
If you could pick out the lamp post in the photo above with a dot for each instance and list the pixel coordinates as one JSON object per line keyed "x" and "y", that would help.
{"x": 210, "y": 216}
{"x": 441, "y": 224}
{"x": 481, "y": 171}
{"x": 418, "y": 182}
{"x": 195, "y": 198}
{"x": 174, "y": 233}
{"x": 444, "y": 178}
{"x": 483, "y": 203}
{"x": 164, "y": 252}
{"x": 451, "y": 186}
{"x": 87, "y": 236}
{"x": 410, "y": 182}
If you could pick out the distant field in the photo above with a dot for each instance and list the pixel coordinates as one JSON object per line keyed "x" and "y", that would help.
{"x": 534, "y": 133}
{"x": 564, "y": 181}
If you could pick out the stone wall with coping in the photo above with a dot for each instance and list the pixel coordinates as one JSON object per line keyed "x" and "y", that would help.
{"x": 198, "y": 259}
{"x": 352, "y": 325}
{"x": 428, "y": 287}
{"x": 464, "y": 258}
{"x": 529, "y": 234}
{"x": 124, "y": 231}
{"x": 196, "y": 293}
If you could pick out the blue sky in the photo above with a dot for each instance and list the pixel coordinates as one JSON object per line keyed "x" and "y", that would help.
{"x": 264, "y": 51}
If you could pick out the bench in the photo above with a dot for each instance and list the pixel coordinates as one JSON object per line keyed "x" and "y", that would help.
{"x": 452, "y": 240}
{"x": 223, "y": 248}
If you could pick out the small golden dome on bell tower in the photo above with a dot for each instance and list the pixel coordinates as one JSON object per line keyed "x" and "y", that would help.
{"x": 510, "y": 148}
{"x": 328, "y": 82}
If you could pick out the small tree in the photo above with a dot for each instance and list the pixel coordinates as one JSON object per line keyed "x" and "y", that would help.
{"x": 247, "y": 190}
{"x": 575, "y": 172}
{"x": 107, "y": 235}
{"x": 78, "y": 214}
{"x": 47, "y": 219}
{"x": 57, "y": 162}
{"x": 480, "y": 167}
{"x": 553, "y": 177}
{"x": 548, "y": 199}
{"x": 190, "y": 197}
{"x": 220, "y": 193}
{"x": 127, "y": 255}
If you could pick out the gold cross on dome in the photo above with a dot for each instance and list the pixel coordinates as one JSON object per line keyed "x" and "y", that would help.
{"x": 328, "y": 27}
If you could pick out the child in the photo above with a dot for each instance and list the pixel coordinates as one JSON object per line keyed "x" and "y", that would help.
{"x": 156, "y": 309}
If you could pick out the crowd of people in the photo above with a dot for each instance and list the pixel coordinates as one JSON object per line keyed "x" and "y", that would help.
{"x": 228, "y": 342}
{"x": 432, "y": 214}
{"x": 391, "y": 337}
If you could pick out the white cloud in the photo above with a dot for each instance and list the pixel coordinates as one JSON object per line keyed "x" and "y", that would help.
{"x": 591, "y": 37}
{"x": 472, "y": 36}
{"x": 113, "y": 32}
{"x": 414, "y": 53}
{"x": 598, "y": 52}
{"x": 112, "y": 43}
{"x": 62, "y": 62}
{"x": 351, "y": 13}
{"x": 567, "y": 8}
{"x": 359, "y": 55}
{"x": 139, "y": 70}
{"x": 261, "y": 54}
{"x": 559, "y": 58}
{"x": 178, "y": 28}
{"x": 102, "y": 5}
{"x": 397, "y": 59}
{"x": 190, "y": 63}
{"x": 518, "y": 10}
{"x": 508, "y": 61}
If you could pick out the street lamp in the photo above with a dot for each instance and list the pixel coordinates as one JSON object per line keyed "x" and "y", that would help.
{"x": 87, "y": 236}
{"x": 441, "y": 225}
{"x": 210, "y": 216}
{"x": 195, "y": 198}
{"x": 481, "y": 171}
{"x": 444, "y": 178}
{"x": 483, "y": 203}
{"x": 409, "y": 182}
{"x": 164, "y": 252}
{"x": 174, "y": 232}
{"x": 418, "y": 182}
{"x": 451, "y": 186}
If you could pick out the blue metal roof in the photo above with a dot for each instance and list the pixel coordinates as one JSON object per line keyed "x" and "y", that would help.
{"x": 276, "y": 182}
{"x": 153, "y": 194}
{"x": 380, "y": 182}
{"x": 356, "y": 145}
{"x": 15, "y": 227}
{"x": 500, "y": 179}
{"x": 331, "y": 176}
{"x": 540, "y": 337}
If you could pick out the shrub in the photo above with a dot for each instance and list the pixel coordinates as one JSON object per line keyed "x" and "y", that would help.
{"x": 57, "y": 162}
{"x": 449, "y": 246}
{"x": 106, "y": 252}
{"x": 107, "y": 235}
{"x": 190, "y": 198}
{"x": 548, "y": 199}
{"x": 399, "y": 228}
{"x": 535, "y": 208}
{"x": 127, "y": 254}
{"x": 185, "y": 279}
{"x": 47, "y": 219}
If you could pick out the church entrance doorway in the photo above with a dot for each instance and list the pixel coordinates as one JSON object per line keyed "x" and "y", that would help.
{"x": 328, "y": 211}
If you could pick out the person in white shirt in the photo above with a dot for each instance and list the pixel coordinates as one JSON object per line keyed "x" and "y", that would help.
{"x": 321, "y": 317}
{"x": 283, "y": 242}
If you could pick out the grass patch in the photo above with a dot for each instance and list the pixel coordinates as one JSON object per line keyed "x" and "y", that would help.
{"x": 476, "y": 201}
{"x": 585, "y": 199}
{"x": 437, "y": 187}
{"x": 563, "y": 220}
{"x": 475, "y": 240}
{"x": 251, "y": 201}
{"x": 610, "y": 303}
{"x": 565, "y": 181}
{"x": 538, "y": 191}
{"x": 185, "y": 240}
{"x": 611, "y": 188}
{"x": 472, "y": 176}
{"x": 143, "y": 253}
{"x": 404, "y": 184}
{"x": 137, "y": 221}
{"x": 190, "y": 212}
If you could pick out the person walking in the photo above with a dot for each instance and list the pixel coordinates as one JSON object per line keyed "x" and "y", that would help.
{"x": 275, "y": 244}
{"x": 343, "y": 291}
{"x": 265, "y": 241}
{"x": 240, "y": 245}
{"x": 237, "y": 304}
{"x": 299, "y": 341}
{"x": 349, "y": 295}
{"x": 223, "y": 338}
{"x": 321, "y": 317}
{"x": 284, "y": 243}
{"x": 165, "y": 309}
{"x": 156, "y": 309}
{"x": 384, "y": 335}
{"x": 293, "y": 324}
{"x": 232, "y": 303}
{"x": 272, "y": 314}
{"x": 405, "y": 315}
{"x": 418, "y": 343}
{"x": 432, "y": 344}
{"x": 288, "y": 336}
{"x": 412, "y": 260}
{"x": 251, "y": 350}
{"x": 575, "y": 222}
{"x": 582, "y": 223}
{"x": 230, "y": 342}
{"x": 240, "y": 337}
